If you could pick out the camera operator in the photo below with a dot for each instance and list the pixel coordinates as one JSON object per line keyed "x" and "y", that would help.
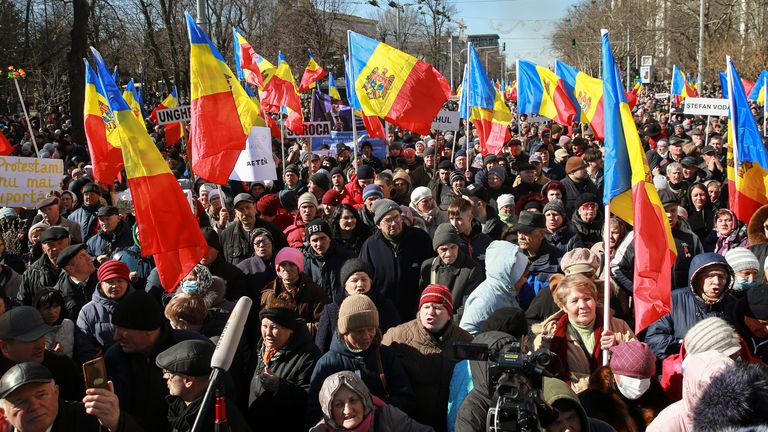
{"x": 571, "y": 416}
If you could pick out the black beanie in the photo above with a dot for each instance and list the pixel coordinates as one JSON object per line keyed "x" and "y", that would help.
{"x": 321, "y": 181}
{"x": 318, "y": 225}
{"x": 212, "y": 238}
{"x": 445, "y": 233}
{"x": 285, "y": 317}
{"x": 586, "y": 198}
{"x": 353, "y": 266}
{"x": 138, "y": 311}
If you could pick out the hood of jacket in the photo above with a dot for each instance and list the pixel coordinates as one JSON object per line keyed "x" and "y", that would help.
{"x": 737, "y": 396}
{"x": 755, "y": 230}
{"x": 331, "y": 386}
{"x": 505, "y": 262}
{"x": 698, "y": 371}
{"x": 704, "y": 261}
{"x": 554, "y": 390}
{"x": 496, "y": 341}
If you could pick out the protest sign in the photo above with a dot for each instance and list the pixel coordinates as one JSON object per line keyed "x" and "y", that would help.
{"x": 174, "y": 115}
{"x": 26, "y": 181}
{"x": 255, "y": 162}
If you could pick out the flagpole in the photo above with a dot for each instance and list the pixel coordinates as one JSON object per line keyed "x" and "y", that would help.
{"x": 469, "y": 106}
{"x": 26, "y": 115}
{"x": 353, "y": 78}
{"x": 607, "y": 275}
{"x": 282, "y": 137}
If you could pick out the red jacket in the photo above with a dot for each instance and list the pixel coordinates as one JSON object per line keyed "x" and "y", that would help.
{"x": 295, "y": 233}
{"x": 354, "y": 195}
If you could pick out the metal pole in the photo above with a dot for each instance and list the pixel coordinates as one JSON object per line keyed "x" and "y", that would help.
{"x": 607, "y": 275}
{"x": 282, "y": 137}
{"x": 450, "y": 50}
{"x": 469, "y": 139}
{"x": 202, "y": 13}
{"x": 399, "y": 43}
{"x": 700, "y": 54}
{"x": 706, "y": 135}
{"x": 628, "y": 78}
{"x": 26, "y": 115}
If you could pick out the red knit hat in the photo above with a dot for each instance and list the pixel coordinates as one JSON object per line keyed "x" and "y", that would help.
{"x": 634, "y": 359}
{"x": 113, "y": 269}
{"x": 435, "y": 293}
{"x": 268, "y": 205}
{"x": 332, "y": 197}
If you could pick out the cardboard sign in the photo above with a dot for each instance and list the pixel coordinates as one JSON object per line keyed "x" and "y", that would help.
{"x": 446, "y": 121}
{"x": 255, "y": 162}
{"x": 174, "y": 115}
{"x": 312, "y": 130}
{"x": 26, "y": 181}
{"x": 706, "y": 106}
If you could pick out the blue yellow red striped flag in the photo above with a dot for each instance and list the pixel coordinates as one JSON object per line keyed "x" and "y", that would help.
{"x": 491, "y": 117}
{"x": 680, "y": 85}
{"x": 586, "y": 93}
{"x": 132, "y": 99}
{"x": 541, "y": 92}
{"x": 250, "y": 66}
{"x": 634, "y": 199}
{"x": 100, "y": 130}
{"x": 396, "y": 86}
{"x": 748, "y": 174}
{"x": 222, "y": 114}
{"x": 757, "y": 93}
{"x": 167, "y": 228}
{"x": 312, "y": 73}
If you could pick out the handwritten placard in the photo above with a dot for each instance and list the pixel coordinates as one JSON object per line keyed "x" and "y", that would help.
{"x": 26, "y": 181}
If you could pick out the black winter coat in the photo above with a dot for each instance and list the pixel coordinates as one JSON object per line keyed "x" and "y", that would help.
{"x": 565, "y": 238}
{"x": 397, "y": 268}
{"x": 294, "y": 364}
{"x": 108, "y": 243}
{"x": 181, "y": 417}
{"x": 461, "y": 277}
{"x": 237, "y": 243}
{"x": 324, "y": 270}
{"x": 76, "y": 295}
{"x": 41, "y": 274}
{"x": 65, "y": 372}
{"x": 236, "y": 281}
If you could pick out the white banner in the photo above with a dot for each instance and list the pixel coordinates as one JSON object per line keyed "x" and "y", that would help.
{"x": 174, "y": 115}
{"x": 26, "y": 181}
{"x": 705, "y": 106}
{"x": 446, "y": 121}
{"x": 255, "y": 162}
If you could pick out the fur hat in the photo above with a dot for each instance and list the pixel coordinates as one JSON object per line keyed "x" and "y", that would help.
{"x": 734, "y": 399}
{"x": 356, "y": 312}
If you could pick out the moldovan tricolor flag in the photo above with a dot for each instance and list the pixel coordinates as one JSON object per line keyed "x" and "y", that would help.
{"x": 635, "y": 199}
{"x": 748, "y": 175}
{"x": 541, "y": 92}
{"x": 251, "y": 67}
{"x": 488, "y": 112}
{"x": 172, "y": 130}
{"x": 132, "y": 99}
{"x": 100, "y": 130}
{"x": 281, "y": 91}
{"x": 680, "y": 85}
{"x": 167, "y": 228}
{"x": 373, "y": 124}
{"x": 222, "y": 114}
{"x": 395, "y": 86}
{"x": 586, "y": 93}
{"x": 312, "y": 73}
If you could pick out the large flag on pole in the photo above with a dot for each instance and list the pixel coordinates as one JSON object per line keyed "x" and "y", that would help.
{"x": 222, "y": 114}
{"x": 312, "y": 73}
{"x": 489, "y": 113}
{"x": 373, "y": 124}
{"x": 167, "y": 228}
{"x": 680, "y": 85}
{"x": 172, "y": 130}
{"x": 333, "y": 91}
{"x": 586, "y": 93}
{"x": 251, "y": 67}
{"x": 541, "y": 92}
{"x": 633, "y": 197}
{"x": 748, "y": 175}
{"x": 758, "y": 90}
{"x": 5, "y": 146}
{"x": 395, "y": 86}
{"x": 100, "y": 130}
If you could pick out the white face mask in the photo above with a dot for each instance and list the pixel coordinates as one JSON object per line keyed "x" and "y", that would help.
{"x": 633, "y": 388}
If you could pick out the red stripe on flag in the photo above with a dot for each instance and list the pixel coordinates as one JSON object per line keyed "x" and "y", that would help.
{"x": 216, "y": 142}
{"x": 742, "y": 204}
{"x": 374, "y": 127}
{"x": 107, "y": 160}
{"x": 420, "y": 99}
{"x": 5, "y": 146}
{"x": 565, "y": 109}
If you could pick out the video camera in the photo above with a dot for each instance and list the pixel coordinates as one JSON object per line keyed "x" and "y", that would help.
{"x": 515, "y": 381}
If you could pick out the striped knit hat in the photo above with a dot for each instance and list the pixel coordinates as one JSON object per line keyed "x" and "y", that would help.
{"x": 712, "y": 334}
{"x": 741, "y": 259}
{"x": 435, "y": 293}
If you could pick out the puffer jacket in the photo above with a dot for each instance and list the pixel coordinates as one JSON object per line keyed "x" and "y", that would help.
{"x": 94, "y": 332}
{"x": 700, "y": 369}
{"x": 542, "y": 266}
{"x": 295, "y": 234}
{"x": 294, "y": 365}
{"x": 324, "y": 270}
{"x": 665, "y": 335}
{"x": 428, "y": 361}
{"x": 397, "y": 392}
{"x": 576, "y": 365}
{"x": 386, "y": 418}
{"x": 86, "y": 217}
{"x": 505, "y": 266}
{"x": 463, "y": 276}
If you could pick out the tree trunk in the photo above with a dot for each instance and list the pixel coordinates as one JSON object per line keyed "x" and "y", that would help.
{"x": 153, "y": 43}
{"x": 77, "y": 51}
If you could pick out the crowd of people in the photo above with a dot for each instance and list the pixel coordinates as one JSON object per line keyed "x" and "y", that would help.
{"x": 366, "y": 272}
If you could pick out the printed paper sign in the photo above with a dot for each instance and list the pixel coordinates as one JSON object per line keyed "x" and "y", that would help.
{"x": 26, "y": 181}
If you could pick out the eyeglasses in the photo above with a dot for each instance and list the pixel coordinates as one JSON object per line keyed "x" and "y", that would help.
{"x": 589, "y": 206}
{"x": 392, "y": 220}
{"x": 260, "y": 242}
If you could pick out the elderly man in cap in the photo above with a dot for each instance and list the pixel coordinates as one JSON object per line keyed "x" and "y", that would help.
{"x": 235, "y": 239}
{"x": 86, "y": 214}
{"x": 426, "y": 212}
{"x": 218, "y": 266}
{"x": 44, "y": 272}
{"x": 22, "y": 339}
{"x": 78, "y": 278}
{"x": 186, "y": 369}
{"x": 114, "y": 235}
{"x": 543, "y": 257}
{"x": 141, "y": 333}
{"x": 308, "y": 210}
{"x": 30, "y": 398}
{"x": 51, "y": 212}
{"x": 749, "y": 315}
{"x": 396, "y": 252}
{"x": 576, "y": 183}
{"x": 324, "y": 258}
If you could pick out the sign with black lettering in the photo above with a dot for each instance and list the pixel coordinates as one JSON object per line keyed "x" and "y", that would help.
{"x": 255, "y": 162}
{"x": 446, "y": 121}
{"x": 312, "y": 130}
{"x": 174, "y": 115}
{"x": 706, "y": 106}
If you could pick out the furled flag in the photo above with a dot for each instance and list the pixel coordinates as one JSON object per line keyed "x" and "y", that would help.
{"x": 333, "y": 91}
{"x": 586, "y": 93}
{"x": 758, "y": 90}
{"x": 541, "y": 92}
{"x": 488, "y": 112}
{"x": 222, "y": 114}
{"x": 5, "y": 146}
{"x": 680, "y": 85}
{"x": 372, "y": 123}
{"x": 634, "y": 199}
{"x": 172, "y": 130}
{"x": 251, "y": 67}
{"x": 281, "y": 91}
{"x": 395, "y": 86}
{"x": 748, "y": 175}
{"x": 312, "y": 73}
{"x": 100, "y": 130}
{"x": 166, "y": 226}
{"x": 723, "y": 83}
{"x": 132, "y": 98}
